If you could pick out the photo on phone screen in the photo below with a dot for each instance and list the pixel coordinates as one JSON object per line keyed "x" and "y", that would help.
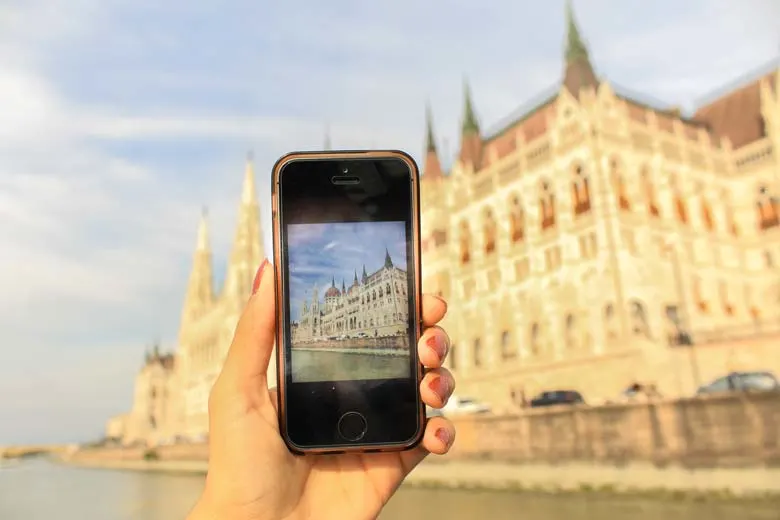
{"x": 349, "y": 301}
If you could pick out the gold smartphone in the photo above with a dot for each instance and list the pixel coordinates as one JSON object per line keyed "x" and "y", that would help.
{"x": 346, "y": 231}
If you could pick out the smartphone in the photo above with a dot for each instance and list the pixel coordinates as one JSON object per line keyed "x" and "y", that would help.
{"x": 346, "y": 231}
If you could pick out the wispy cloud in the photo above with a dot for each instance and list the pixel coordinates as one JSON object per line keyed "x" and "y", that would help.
{"x": 122, "y": 118}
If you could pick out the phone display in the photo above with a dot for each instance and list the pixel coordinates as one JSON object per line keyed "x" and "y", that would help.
{"x": 346, "y": 243}
{"x": 349, "y": 316}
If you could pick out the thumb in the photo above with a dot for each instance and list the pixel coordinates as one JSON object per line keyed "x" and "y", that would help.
{"x": 247, "y": 360}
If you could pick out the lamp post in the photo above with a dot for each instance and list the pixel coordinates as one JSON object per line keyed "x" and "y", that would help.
{"x": 684, "y": 336}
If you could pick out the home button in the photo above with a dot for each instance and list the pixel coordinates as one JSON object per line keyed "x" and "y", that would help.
{"x": 352, "y": 426}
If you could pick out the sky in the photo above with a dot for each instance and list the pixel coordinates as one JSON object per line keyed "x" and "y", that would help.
{"x": 323, "y": 253}
{"x": 121, "y": 119}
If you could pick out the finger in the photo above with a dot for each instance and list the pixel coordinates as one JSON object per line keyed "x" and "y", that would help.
{"x": 437, "y": 387}
{"x": 438, "y": 439}
{"x": 273, "y": 394}
{"x": 433, "y": 309}
{"x": 433, "y": 347}
{"x": 247, "y": 359}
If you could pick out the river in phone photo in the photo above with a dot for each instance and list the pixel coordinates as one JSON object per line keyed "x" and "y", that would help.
{"x": 36, "y": 489}
{"x": 310, "y": 365}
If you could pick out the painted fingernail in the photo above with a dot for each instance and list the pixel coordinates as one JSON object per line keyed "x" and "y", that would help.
{"x": 440, "y": 387}
{"x": 443, "y": 435}
{"x": 259, "y": 276}
{"x": 437, "y": 345}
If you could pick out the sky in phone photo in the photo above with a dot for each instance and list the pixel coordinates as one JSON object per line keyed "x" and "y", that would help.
{"x": 322, "y": 253}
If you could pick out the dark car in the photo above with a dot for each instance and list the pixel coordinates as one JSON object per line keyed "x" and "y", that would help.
{"x": 556, "y": 397}
{"x": 742, "y": 382}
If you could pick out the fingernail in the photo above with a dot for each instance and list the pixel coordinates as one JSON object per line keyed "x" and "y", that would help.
{"x": 259, "y": 276}
{"x": 438, "y": 346}
{"x": 443, "y": 435}
{"x": 440, "y": 387}
{"x": 442, "y": 300}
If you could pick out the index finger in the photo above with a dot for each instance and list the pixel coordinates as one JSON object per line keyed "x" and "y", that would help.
{"x": 433, "y": 310}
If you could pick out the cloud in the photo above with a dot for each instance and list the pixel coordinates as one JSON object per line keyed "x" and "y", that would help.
{"x": 121, "y": 119}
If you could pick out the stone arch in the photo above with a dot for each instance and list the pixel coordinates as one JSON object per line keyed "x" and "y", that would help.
{"x": 516, "y": 219}
{"x": 580, "y": 185}
{"x": 489, "y": 230}
{"x": 465, "y": 242}
{"x": 768, "y": 208}
{"x": 640, "y": 325}
{"x": 546, "y": 205}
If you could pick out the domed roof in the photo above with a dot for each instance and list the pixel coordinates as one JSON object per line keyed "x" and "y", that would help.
{"x": 332, "y": 291}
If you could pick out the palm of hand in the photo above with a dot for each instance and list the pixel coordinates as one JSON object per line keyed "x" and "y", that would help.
{"x": 258, "y": 474}
{"x": 252, "y": 474}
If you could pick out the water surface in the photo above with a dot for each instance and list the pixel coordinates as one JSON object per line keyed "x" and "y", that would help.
{"x": 39, "y": 490}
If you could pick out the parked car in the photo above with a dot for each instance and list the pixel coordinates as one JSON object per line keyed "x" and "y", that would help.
{"x": 758, "y": 381}
{"x": 557, "y": 397}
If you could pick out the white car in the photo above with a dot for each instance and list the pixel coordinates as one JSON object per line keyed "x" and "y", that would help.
{"x": 459, "y": 406}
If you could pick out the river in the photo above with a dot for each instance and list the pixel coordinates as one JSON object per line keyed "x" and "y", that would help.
{"x": 39, "y": 490}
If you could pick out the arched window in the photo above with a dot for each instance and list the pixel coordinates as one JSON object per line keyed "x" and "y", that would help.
{"x": 639, "y": 324}
{"x": 516, "y": 220}
{"x": 609, "y": 321}
{"x": 580, "y": 191}
{"x": 767, "y": 205}
{"x": 680, "y": 209}
{"x": 570, "y": 333}
{"x": 387, "y": 287}
{"x": 547, "y": 206}
{"x": 465, "y": 243}
{"x": 381, "y": 293}
{"x": 648, "y": 189}
{"x": 534, "y": 339}
{"x": 698, "y": 296}
{"x": 728, "y": 208}
{"x": 706, "y": 214}
{"x": 490, "y": 231}
{"x": 619, "y": 185}
{"x": 506, "y": 345}
{"x": 478, "y": 353}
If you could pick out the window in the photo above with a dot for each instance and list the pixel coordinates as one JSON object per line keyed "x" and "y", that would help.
{"x": 768, "y": 210}
{"x": 477, "y": 353}
{"x": 639, "y": 324}
{"x": 516, "y": 220}
{"x": 465, "y": 243}
{"x": 570, "y": 335}
{"x": 680, "y": 209}
{"x": 534, "y": 339}
{"x": 619, "y": 185}
{"x": 490, "y": 232}
{"x": 507, "y": 351}
{"x": 648, "y": 188}
{"x": 547, "y": 206}
{"x": 706, "y": 215}
{"x": 701, "y": 301}
{"x": 580, "y": 192}
{"x": 453, "y": 357}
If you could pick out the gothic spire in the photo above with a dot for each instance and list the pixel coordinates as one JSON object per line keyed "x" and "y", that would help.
{"x": 388, "y": 260}
{"x": 200, "y": 291}
{"x": 356, "y": 278}
{"x": 333, "y": 282}
{"x": 432, "y": 165}
{"x": 470, "y": 139}
{"x": 247, "y": 252}
{"x": 343, "y": 286}
{"x": 365, "y": 274}
{"x": 578, "y": 73}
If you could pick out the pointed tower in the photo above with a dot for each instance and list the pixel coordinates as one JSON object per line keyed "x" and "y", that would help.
{"x": 200, "y": 291}
{"x": 432, "y": 169}
{"x": 247, "y": 252}
{"x": 388, "y": 260}
{"x": 578, "y": 71}
{"x": 470, "y": 139}
{"x": 365, "y": 274}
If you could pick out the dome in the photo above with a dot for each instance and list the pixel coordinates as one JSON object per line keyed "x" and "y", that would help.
{"x": 332, "y": 291}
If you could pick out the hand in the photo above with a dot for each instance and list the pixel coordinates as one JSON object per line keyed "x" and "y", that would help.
{"x": 253, "y": 476}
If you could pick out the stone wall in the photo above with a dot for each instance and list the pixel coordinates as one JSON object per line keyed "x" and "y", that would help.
{"x": 724, "y": 431}
{"x": 387, "y": 342}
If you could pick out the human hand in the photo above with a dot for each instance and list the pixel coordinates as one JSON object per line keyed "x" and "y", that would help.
{"x": 253, "y": 476}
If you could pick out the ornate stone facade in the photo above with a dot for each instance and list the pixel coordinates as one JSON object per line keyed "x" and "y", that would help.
{"x": 208, "y": 322}
{"x": 374, "y": 306}
{"x": 597, "y": 240}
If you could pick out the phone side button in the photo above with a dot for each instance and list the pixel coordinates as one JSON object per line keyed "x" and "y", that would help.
{"x": 352, "y": 426}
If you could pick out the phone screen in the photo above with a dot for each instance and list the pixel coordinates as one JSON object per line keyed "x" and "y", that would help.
{"x": 349, "y": 291}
